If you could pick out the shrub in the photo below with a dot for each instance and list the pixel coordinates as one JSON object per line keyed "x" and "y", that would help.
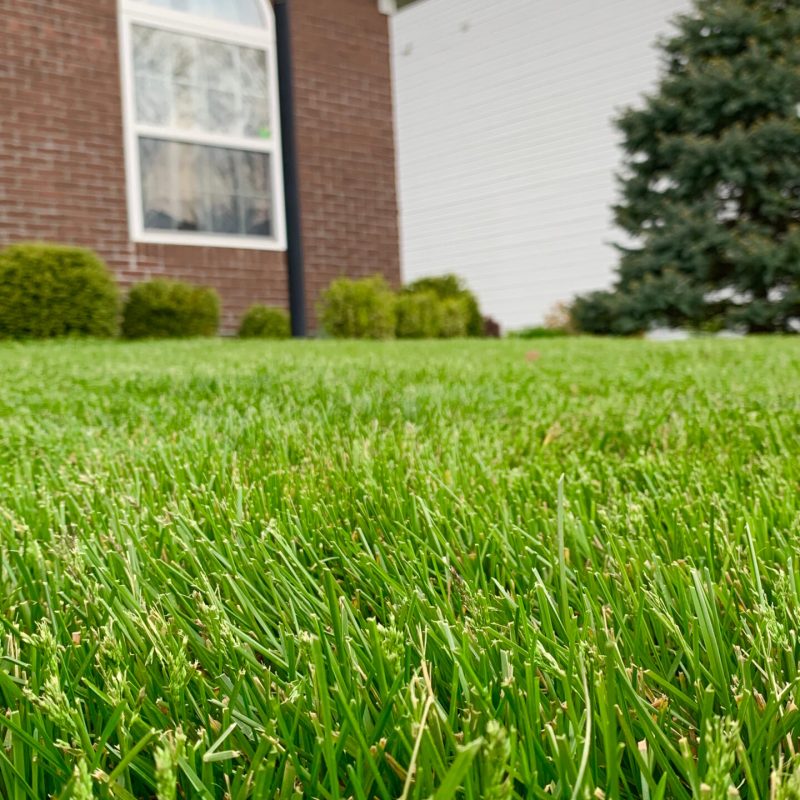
{"x": 605, "y": 312}
{"x": 162, "y": 309}
{"x": 54, "y": 290}
{"x": 491, "y": 328}
{"x": 448, "y": 287}
{"x": 262, "y": 322}
{"x": 538, "y": 332}
{"x": 559, "y": 318}
{"x": 419, "y": 316}
{"x": 358, "y": 309}
{"x": 455, "y": 317}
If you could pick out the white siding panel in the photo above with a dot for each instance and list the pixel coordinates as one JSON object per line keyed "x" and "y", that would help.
{"x": 506, "y": 147}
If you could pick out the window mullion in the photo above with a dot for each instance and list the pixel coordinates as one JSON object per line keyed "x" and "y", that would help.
{"x": 173, "y": 97}
{"x": 175, "y": 196}
{"x": 239, "y": 93}
{"x": 207, "y": 139}
{"x": 238, "y": 170}
{"x": 205, "y": 166}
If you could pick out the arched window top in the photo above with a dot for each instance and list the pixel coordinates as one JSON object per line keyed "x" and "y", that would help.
{"x": 241, "y": 12}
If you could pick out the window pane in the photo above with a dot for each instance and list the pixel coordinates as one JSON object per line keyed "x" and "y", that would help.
{"x": 221, "y": 109}
{"x": 254, "y": 71}
{"x": 153, "y": 101}
{"x": 243, "y": 12}
{"x": 218, "y": 65}
{"x": 257, "y": 217}
{"x": 225, "y": 215}
{"x": 189, "y": 111}
{"x": 192, "y": 83}
{"x": 208, "y": 189}
{"x": 254, "y": 179}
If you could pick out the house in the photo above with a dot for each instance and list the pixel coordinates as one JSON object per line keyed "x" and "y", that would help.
{"x": 173, "y": 136}
{"x": 162, "y": 134}
{"x": 506, "y": 147}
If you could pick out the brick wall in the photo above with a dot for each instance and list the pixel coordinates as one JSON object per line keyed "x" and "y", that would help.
{"x": 62, "y": 161}
{"x": 61, "y": 168}
{"x": 345, "y": 139}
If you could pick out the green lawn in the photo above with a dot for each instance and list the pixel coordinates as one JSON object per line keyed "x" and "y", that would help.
{"x": 333, "y": 570}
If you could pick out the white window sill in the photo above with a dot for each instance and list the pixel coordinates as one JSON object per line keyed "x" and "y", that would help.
{"x": 181, "y": 239}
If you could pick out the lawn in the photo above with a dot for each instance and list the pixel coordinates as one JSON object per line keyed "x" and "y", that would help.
{"x": 459, "y": 570}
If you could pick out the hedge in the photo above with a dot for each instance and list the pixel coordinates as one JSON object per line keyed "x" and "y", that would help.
{"x": 49, "y": 290}
{"x": 263, "y": 322}
{"x": 163, "y": 309}
{"x": 358, "y": 309}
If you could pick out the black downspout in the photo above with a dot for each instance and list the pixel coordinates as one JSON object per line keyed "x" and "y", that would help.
{"x": 291, "y": 178}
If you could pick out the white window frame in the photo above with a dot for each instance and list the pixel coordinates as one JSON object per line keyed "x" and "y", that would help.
{"x": 136, "y": 12}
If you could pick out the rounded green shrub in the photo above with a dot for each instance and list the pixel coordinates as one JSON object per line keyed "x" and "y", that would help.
{"x": 419, "y": 316}
{"x": 449, "y": 287}
{"x": 455, "y": 318}
{"x": 162, "y": 309}
{"x": 607, "y": 312}
{"x": 358, "y": 309}
{"x": 263, "y": 322}
{"x": 49, "y": 290}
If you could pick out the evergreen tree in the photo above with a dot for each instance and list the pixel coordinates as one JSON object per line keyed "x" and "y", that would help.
{"x": 711, "y": 180}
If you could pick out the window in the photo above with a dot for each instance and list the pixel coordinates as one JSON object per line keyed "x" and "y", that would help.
{"x": 202, "y": 123}
{"x": 243, "y": 12}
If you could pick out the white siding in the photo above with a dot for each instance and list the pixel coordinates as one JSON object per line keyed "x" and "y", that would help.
{"x": 506, "y": 148}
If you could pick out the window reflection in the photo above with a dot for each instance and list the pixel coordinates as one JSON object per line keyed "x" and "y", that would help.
{"x": 191, "y": 187}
